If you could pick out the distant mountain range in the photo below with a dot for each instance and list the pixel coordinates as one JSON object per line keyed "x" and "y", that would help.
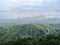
{"x": 31, "y": 20}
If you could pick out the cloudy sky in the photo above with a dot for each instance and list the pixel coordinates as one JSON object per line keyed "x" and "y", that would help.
{"x": 15, "y": 9}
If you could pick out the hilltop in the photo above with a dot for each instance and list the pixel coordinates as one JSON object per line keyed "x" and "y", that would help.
{"x": 14, "y": 32}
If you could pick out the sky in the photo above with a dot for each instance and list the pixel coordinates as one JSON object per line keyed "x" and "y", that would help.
{"x": 35, "y": 9}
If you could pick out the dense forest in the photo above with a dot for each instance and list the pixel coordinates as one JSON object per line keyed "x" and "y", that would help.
{"x": 30, "y": 34}
{"x": 44, "y": 40}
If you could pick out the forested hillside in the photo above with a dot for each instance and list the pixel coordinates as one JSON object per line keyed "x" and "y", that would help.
{"x": 44, "y": 40}
{"x": 14, "y": 32}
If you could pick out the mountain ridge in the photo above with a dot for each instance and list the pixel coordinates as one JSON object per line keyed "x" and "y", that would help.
{"x": 27, "y": 30}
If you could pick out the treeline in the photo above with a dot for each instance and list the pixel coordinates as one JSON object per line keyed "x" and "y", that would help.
{"x": 44, "y": 40}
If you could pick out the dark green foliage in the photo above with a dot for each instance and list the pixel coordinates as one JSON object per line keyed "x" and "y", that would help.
{"x": 53, "y": 40}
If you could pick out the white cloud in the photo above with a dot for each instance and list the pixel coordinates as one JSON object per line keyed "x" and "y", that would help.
{"x": 33, "y": 15}
{"x": 27, "y": 4}
{"x": 9, "y": 4}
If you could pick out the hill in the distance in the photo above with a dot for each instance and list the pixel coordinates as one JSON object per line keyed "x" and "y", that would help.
{"x": 8, "y": 32}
